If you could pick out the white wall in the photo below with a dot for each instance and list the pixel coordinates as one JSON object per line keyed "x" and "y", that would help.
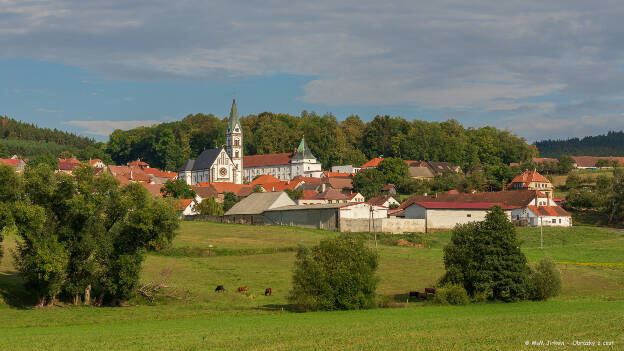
{"x": 362, "y": 211}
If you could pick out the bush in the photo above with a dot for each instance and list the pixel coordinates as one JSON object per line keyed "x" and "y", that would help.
{"x": 337, "y": 274}
{"x": 544, "y": 281}
{"x": 452, "y": 294}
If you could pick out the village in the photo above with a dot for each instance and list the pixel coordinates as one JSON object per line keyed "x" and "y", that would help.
{"x": 292, "y": 189}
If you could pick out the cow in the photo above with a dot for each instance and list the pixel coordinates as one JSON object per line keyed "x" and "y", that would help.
{"x": 242, "y": 289}
{"x": 413, "y": 294}
{"x": 268, "y": 292}
{"x": 430, "y": 291}
{"x": 220, "y": 288}
{"x": 422, "y": 295}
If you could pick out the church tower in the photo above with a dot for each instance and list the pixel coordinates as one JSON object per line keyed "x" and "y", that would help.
{"x": 234, "y": 143}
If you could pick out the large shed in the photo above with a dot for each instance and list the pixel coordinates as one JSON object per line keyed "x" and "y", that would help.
{"x": 249, "y": 210}
{"x": 446, "y": 215}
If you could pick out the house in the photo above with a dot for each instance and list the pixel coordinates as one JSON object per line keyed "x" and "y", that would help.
{"x": 373, "y": 163}
{"x": 349, "y": 169}
{"x": 67, "y": 165}
{"x": 420, "y": 172}
{"x": 153, "y": 189}
{"x": 204, "y": 192}
{"x": 240, "y": 190}
{"x": 517, "y": 199}
{"x": 356, "y": 197}
{"x": 185, "y": 206}
{"x": 138, "y": 163}
{"x": 389, "y": 189}
{"x": 127, "y": 174}
{"x": 446, "y": 215}
{"x": 384, "y": 200}
{"x": 589, "y": 162}
{"x": 96, "y": 163}
{"x": 159, "y": 177}
{"x": 342, "y": 184}
{"x": 329, "y": 196}
{"x": 549, "y": 216}
{"x": 440, "y": 167}
{"x": 531, "y": 180}
{"x": 16, "y": 163}
{"x": 249, "y": 210}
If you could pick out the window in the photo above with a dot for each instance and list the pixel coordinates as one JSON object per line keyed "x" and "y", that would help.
{"x": 554, "y": 220}
{"x": 236, "y": 154}
{"x": 236, "y": 142}
{"x": 469, "y": 215}
{"x": 559, "y": 220}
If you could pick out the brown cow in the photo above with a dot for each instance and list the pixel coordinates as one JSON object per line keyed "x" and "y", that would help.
{"x": 220, "y": 288}
{"x": 422, "y": 295}
{"x": 430, "y": 291}
{"x": 242, "y": 289}
{"x": 268, "y": 292}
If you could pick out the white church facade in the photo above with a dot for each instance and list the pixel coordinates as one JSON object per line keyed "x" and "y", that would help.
{"x": 230, "y": 165}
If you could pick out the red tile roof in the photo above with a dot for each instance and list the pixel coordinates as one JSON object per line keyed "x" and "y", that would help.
{"x": 138, "y": 163}
{"x": 590, "y": 161}
{"x": 267, "y": 160}
{"x": 263, "y": 179}
{"x": 339, "y": 183}
{"x": 154, "y": 189}
{"x": 308, "y": 180}
{"x": 131, "y": 173}
{"x": 68, "y": 164}
{"x": 160, "y": 174}
{"x": 330, "y": 194}
{"x": 227, "y": 187}
{"x": 545, "y": 159}
{"x": 181, "y": 204}
{"x": 462, "y": 205}
{"x": 549, "y": 211}
{"x": 338, "y": 174}
{"x": 387, "y": 187}
{"x": 372, "y": 163}
{"x": 379, "y": 200}
{"x": 9, "y": 161}
{"x": 205, "y": 191}
{"x": 516, "y": 198}
{"x": 528, "y": 177}
{"x": 309, "y": 194}
{"x": 352, "y": 195}
{"x": 94, "y": 161}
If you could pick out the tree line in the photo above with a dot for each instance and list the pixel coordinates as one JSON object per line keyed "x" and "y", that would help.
{"x": 610, "y": 144}
{"x": 333, "y": 142}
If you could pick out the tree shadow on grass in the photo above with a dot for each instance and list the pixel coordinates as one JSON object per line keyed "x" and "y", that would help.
{"x": 13, "y": 292}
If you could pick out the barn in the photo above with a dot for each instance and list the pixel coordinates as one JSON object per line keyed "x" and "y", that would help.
{"x": 446, "y": 215}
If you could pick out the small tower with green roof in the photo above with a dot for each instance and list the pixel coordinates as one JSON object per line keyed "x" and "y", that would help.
{"x": 234, "y": 143}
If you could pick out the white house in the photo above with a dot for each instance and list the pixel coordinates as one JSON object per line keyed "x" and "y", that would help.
{"x": 446, "y": 215}
{"x": 548, "y": 216}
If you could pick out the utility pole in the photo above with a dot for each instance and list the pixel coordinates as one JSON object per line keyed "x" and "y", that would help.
{"x": 541, "y": 232}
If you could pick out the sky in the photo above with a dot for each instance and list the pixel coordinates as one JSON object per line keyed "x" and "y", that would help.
{"x": 542, "y": 69}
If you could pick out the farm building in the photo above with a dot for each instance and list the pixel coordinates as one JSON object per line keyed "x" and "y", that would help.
{"x": 324, "y": 216}
{"x": 249, "y": 210}
{"x": 446, "y": 215}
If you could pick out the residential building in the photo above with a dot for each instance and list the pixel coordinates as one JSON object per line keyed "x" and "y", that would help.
{"x": 532, "y": 180}
{"x": 16, "y": 163}
{"x": 349, "y": 169}
{"x": 356, "y": 197}
{"x": 384, "y": 200}
{"x": 547, "y": 216}
{"x": 67, "y": 165}
{"x": 589, "y": 162}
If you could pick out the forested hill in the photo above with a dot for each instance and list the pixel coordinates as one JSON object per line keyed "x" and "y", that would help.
{"x": 29, "y": 140}
{"x": 333, "y": 142}
{"x": 611, "y": 144}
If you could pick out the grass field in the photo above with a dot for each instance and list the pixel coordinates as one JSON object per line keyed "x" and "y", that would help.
{"x": 591, "y": 306}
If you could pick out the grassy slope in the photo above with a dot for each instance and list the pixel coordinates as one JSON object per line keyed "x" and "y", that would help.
{"x": 235, "y": 321}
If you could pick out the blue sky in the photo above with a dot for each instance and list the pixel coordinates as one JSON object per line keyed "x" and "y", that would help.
{"x": 541, "y": 70}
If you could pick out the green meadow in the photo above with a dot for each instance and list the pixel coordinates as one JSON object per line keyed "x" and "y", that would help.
{"x": 204, "y": 255}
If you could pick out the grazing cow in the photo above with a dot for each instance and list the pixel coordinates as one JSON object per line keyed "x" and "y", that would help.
{"x": 242, "y": 289}
{"x": 413, "y": 294}
{"x": 220, "y": 288}
{"x": 268, "y": 292}
{"x": 430, "y": 291}
{"x": 422, "y": 295}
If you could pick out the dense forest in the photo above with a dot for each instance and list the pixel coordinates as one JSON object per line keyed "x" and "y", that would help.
{"x": 333, "y": 142}
{"x": 28, "y": 140}
{"x": 611, "y": 144}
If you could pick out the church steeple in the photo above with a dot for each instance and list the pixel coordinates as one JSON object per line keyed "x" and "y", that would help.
{"x": 233, "y": 116}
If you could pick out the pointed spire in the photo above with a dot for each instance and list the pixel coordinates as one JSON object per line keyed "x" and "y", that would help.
{"x": 233, "y": 115}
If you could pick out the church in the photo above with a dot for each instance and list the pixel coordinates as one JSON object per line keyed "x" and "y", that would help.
{"x": 229, "y": 164}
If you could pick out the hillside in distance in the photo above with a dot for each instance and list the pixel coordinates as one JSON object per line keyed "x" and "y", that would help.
{"x": 610, "y": 144}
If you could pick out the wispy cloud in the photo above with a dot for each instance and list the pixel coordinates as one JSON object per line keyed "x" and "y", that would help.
{"x": 47, "y": 110}
{"x": 105, "y": 128}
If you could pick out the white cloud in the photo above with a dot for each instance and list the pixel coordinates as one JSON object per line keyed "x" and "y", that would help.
{"x": 47, "y": 110}
{"x": 105, "y": 128}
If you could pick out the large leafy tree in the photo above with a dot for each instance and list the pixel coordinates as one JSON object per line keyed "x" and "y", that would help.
{"x": 369, "y": 182}
{"x": 485, "y": 257}
{"x": 337, "y": 274}
{"x": 80, "y": 233}
{"x": 394, "y": 169}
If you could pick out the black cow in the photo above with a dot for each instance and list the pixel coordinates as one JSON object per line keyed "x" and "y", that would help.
{"x": 220, "y": 288}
